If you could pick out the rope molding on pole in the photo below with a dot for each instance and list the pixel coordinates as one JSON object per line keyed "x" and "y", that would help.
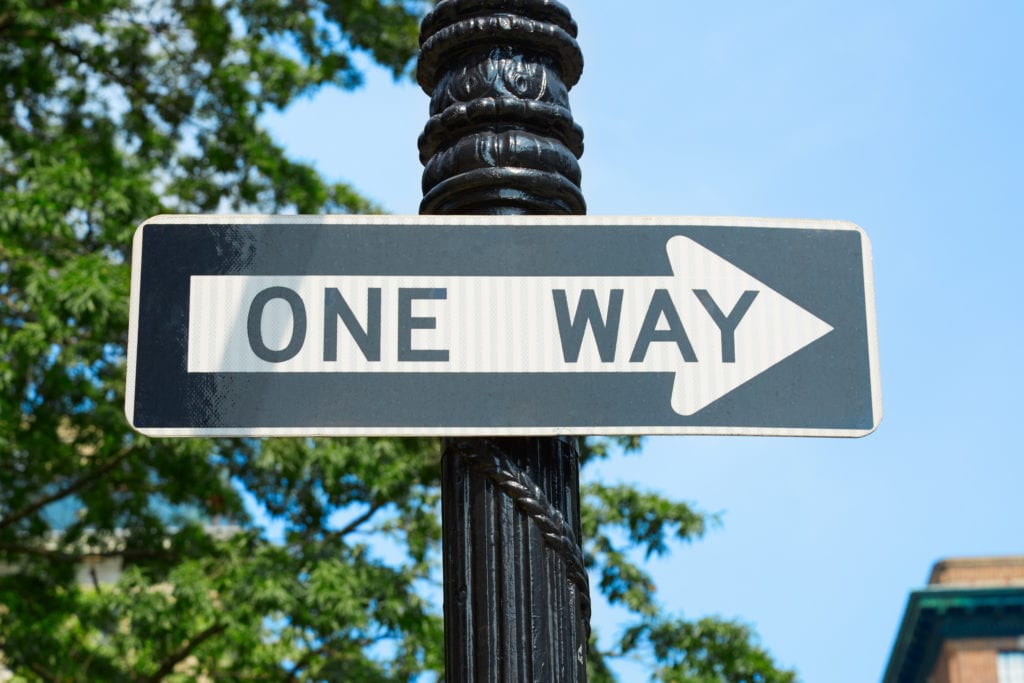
{"x": 490, "y": 461}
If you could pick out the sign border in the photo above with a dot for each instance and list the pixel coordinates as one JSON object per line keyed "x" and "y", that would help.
{"x": 625, "y": 222}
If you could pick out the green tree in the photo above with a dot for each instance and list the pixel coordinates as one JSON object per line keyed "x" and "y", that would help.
{"x": 115, "y": 110}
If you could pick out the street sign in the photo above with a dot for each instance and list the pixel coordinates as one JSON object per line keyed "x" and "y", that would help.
{"x": 374, "y": 325}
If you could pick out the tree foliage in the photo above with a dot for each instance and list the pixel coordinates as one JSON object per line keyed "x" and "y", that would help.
{"x": 284, "y": 560}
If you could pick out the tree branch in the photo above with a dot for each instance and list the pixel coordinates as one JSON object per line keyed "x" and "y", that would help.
{"x": 304, "y": 662}
{"x": 167, "y": 666}
{"x": 325, "y": 648}
{"x": 77, "y": 558}
{"x": 360, "y": 520}
{"x": 38, "y": 670}
{"x": 68, "y": 490}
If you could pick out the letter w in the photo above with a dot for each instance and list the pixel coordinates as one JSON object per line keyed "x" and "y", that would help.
{"x": 572, "y": 330}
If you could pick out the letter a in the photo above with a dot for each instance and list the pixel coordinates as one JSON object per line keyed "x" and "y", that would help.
{"x": 661, "y": 305}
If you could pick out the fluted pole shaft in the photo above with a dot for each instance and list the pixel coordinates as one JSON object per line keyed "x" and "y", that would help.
{"x": 501, "y": 140}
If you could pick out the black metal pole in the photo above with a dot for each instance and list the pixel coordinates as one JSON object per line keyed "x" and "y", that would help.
{"x": 501, "y": 141}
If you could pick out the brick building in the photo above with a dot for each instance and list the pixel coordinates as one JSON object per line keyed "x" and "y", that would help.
{"x": 966, "y": 626}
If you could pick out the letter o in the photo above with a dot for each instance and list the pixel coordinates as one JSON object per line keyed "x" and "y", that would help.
{"x": 255, "y": 326}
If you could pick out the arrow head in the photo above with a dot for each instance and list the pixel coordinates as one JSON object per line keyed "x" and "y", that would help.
{"x": 749, "y": 333}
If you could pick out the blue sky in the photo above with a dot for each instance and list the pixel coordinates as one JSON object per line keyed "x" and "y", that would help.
{"x": 905, "y": 118}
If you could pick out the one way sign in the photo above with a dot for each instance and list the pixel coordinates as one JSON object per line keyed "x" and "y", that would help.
{"x": 261, "y": 326}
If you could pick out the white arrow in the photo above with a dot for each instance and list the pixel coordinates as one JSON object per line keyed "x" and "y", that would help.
{"x": 711, "y": 324}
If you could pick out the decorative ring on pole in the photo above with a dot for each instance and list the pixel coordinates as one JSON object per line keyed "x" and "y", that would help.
{"x": 501, "y": 139}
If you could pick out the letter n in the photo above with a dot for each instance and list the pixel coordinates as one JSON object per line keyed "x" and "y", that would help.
{"x": 368, "y": 338}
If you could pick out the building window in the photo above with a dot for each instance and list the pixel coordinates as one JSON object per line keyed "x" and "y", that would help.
{"x": 1011, "y": 667}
